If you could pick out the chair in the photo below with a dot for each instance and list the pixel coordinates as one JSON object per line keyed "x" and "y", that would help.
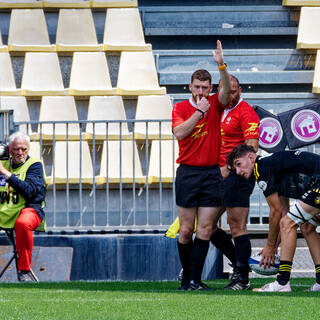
{"x": 316, "y": 79}
{"x": 90, "y": 74}
{"x": 3, "y": 48}
{"x": 56, "y": 108}
{"x": 123, "y": 31}
{"x": 42, "y": 75}
{"x": 67, "y": 162}
{"x": 138, "y": 75}
{"x": 20, "y": 111}
{"x": 106, "y": 108}
{"x": 166, "y": 161}
{"x": 153, "y": 108}
{"x": 76, "y": 31}
{"x": 129, "y": 173}
{"x": 66, "y": 3}
{"x": 308, "y": 31}
{"x": 7, "y": 81}
{"x": 21, "y": 4}
{"x": 28, "y": 31}
{"x": 301, "y": 3}
{"x": 113, "y": 3}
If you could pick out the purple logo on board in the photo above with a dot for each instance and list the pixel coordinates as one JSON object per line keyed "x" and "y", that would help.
{"x": 305, "y": 125}
{"x": 270, "y": 132}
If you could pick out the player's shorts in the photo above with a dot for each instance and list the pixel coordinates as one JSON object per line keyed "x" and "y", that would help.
{"x": 312, "y": 196}
{"x": 198, "y": 186}
{"x": 237, "y": 190}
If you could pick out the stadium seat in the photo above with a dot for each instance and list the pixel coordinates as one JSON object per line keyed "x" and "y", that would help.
{"x": 316, "y": 79}
{"x": 42, "y": 75}
{"x": 66, "y": 3}
{"x": 67, "y": 162}
{"x": 76, "y": 31}
{"x": 169, "y": 152}
{"x": 21, "y": 4}
{"x": 301, "y": 3}
{"x": 153, "y": 108}
{"x": 3, "y": 48}
{"x": 308, "y": 31}
{"x": 113, "y": 3}
{"x": 138, "y": 75}
{"x": 129, "y": 173}
{"x": 123, "y": 31}
{"x": 28, "y": 31}
{"x": 90, "y": 74}
{"x": 20, "y": 111}
{"x": 57, "y": 108}
{"x": 106, "y": 108}
{"x": 7, "y": 80}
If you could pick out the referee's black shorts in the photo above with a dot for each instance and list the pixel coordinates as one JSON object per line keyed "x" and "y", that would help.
{"x": 237, "y": 190}
{"x": 198, "y": 186}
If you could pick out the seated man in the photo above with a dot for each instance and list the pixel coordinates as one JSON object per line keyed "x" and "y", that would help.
{"x": 22, "y": 193}
{"x": 269, "y": 172}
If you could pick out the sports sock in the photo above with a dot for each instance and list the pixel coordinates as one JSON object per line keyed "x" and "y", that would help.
{"x": 185, "y": 259}
{"x": 243, "y": 252}
{"x": 222, "y": 241}
{"x": 317, "y": 267}
{"x": 284, "y": 272}
{"x": 199, "y": 254}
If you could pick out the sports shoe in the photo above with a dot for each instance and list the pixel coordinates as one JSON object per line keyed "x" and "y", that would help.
{"x": 199, "y": 286}
{"x": 274, "y": 287}
{"x": 26, "y": 276}
{"x": 184, "y": 287}
{"x": 315, "y": 287}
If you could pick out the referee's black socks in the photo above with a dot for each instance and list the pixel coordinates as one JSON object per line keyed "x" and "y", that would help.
{"x": 243, "y": 252}
{"x": 199, "y": 254}
{"x": 222, "y": 241}
{"x": 185, "y": 259}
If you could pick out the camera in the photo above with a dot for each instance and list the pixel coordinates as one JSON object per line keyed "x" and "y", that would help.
{"x": 4, "y": 151}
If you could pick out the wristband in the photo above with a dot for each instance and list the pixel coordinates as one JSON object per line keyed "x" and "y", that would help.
{"x": 202, "y": 112}
{"x": 223, "y": 67}
{"x": 8, "y": 175}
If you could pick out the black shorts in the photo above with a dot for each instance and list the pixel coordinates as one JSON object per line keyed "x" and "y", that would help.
{"x": 237, "y": 190}
{"x": 312, "y": 196}
{"x": 198, "y": 186}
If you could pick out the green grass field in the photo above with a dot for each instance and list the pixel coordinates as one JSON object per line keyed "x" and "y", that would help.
{"x": 154, "y": 300}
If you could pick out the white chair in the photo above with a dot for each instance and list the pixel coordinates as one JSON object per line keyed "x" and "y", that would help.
{"x": 123, "y": 31}
{"x": 153, "y": 108}
{"x": 8, "y": 4}
{"x": 308, "y": 30}
{"x": 76, "y": 31}
{"x": 42, "y": 75}
{"x": 114, "y": 4}
{"x": 28, "y": 31}
{"x": 111, "y": 154}
{"x": 138, "y": 75}
{"x": 66, "y": 3}
{"x": 90, "y": 75}
{"x": 106, "y": 108}
{"x": 57, "y": 108}
{"x": 316, "y": 77}
{"x": 7, "y": 80}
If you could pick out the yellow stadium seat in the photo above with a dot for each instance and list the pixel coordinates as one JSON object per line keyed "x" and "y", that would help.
{"x": 316, "y": 78}
{"x": 76, "y": 31}
{"x": 28, "y": 31}
{"x": 7, "y": 81}
{"x": 58, "y": 108}
{"x": 20, "y": 111}
{"x": 67, "y": 164}
{"x": 3, "y": 48}
{"x": 114, "y": 4}
{"x": 129, "y": 173}
{"x": 301, "y": 3}
{"x": 66, "y": 3}
{"x": 90, "y": 75}
{"x": 153, "y": 108}
{"x": 106, "y": 108}
{"x": 169, "y": 152}
{"x": 309, "y": 26}
{"x": 21, "y": 3}
{"x": 138, "y": 75}
{"x": 123, "y": 31}
{"x": 42, "y": 75}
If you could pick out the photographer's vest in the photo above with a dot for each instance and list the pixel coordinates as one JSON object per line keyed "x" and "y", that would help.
{"x": 11, "y": 202}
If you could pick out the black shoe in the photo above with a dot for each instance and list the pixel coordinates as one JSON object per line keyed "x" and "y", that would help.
{"x": 238, "y": 283}
{"x": 184, "y": 287}
{"x": 234, "y": 278}
{"x": 26, "y": 276}
{"x": 199, "y": 286}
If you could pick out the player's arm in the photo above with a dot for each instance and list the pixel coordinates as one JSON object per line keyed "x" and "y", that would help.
{"x": 254, "y": 143}
{"x": 270, "y": 248}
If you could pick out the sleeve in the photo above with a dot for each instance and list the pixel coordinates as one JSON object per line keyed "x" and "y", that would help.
{"x": 249, "y": 122}
{"x": 33, "y": 183}
{"x": 214, "y": 100}
{"x": 177, "y": 115}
